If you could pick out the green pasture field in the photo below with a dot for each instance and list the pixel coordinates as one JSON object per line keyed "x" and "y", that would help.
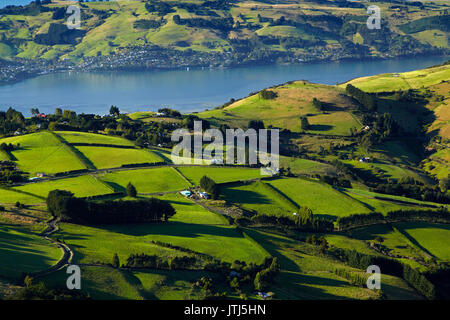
{"x": 152, "y": 180}
{"x": 367, "y": 196}
{"x": 105, "y": 283}
{"x": 82, "y": 186}
{"x": 150, "y": 116}
{"x": 321, "y": 198}
{"x": 344, "y": 242}
{"x": 99, "y": 244}
{"x": 303, "y": 166}
{"x": 385, "y": 170}
{"x": 101, "y": 283}
{"x": 85, "y": 137}
{"x": 293, "y": 100}
{"x": 12, "y": 196}
{"x": 194, "y": 228}
{"x": 432, "y": 238}
{"x": 402, "y": 81}
{"x": 391, "y": 238}
{"x": 438, "y": 164}
{"x": 23, "y": 251}
{"x": 4, "y": 156}
{"x": 219, "y": 175}
{"x": 169, "y": 285}
{"x": 42, "y": 152}
{"x": 189, "y": 212}
{"x": 379, "y": 205}
{"x": 305, "y": 275}
{"x": 259, "y": 198}
{"x": 106, "y": 157}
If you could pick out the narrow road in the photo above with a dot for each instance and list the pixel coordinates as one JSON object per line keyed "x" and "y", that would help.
{"x": 67, "y": 252}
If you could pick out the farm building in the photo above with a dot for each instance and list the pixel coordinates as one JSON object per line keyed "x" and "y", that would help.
{"x": 186, "y": 193}
{"x": 203, "y": 195}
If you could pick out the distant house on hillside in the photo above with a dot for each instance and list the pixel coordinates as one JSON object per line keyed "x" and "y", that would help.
{"x": 186, "y": 193}
{"x": 203, "y": 195}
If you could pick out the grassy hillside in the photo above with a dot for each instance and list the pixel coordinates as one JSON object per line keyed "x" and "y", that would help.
{"x": 433, "y": 84}
{"x": 326, "y": 167}
{"x": 42, "y": 152}
{"x": 74, "y": 137}
{"x": 146, "y": 180}
{"x": 241, "y": 27}
{"x": 23, "y": 251}
{"x": 293, "y": 100}
{"x": 105, "y": 157}
{"x": 82, "y": 186}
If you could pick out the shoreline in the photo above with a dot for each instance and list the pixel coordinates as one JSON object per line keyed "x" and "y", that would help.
{"x": 93, "y": 104}
{"x": 223, "y": 67}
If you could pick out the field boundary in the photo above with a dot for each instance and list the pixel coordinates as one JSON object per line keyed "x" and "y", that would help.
{"x": 77, "y": 153}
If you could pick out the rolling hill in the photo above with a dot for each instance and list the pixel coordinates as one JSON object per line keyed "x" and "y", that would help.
{"x": 250, "y": 30}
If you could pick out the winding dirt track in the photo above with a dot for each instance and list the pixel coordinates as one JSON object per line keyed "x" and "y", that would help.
{"x": 65, "y": 260}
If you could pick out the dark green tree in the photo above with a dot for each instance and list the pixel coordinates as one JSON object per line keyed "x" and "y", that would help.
{"x": 131, "y": 190}
{"x": 115, "y": 261}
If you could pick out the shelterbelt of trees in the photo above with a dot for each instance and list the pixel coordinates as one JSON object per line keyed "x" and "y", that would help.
{"x": 441, "y": 215}
{"x": 64, "y": 205}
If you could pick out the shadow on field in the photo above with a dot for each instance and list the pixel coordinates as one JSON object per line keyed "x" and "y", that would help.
{"x": 320, "y": 127}
{"x": 295, "y": 286}
{"x": 268, "y": 243}
{"x": 116, "y": 187}
{"x": 175, "y": 229}
{"x": 245, "y": 196}
{"x": 370, "y": 232}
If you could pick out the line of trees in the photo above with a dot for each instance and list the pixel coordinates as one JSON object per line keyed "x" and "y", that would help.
{"x": 388, "y": 266}
{"x": 303, "y": 220}
{"x": 208, "y": 184}
{"x": 365, "y": 99}
{"x": 265, "y": 277}
{"x": 63, "y": 204}
{"x": 412, "y": 190}
{"x": 354, "y": 278}
{"x": 156, "y": 262}
{"x": 358, "y": 220}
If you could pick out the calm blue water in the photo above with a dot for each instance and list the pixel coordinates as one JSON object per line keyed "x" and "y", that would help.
{"x": 184, "y": 90}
